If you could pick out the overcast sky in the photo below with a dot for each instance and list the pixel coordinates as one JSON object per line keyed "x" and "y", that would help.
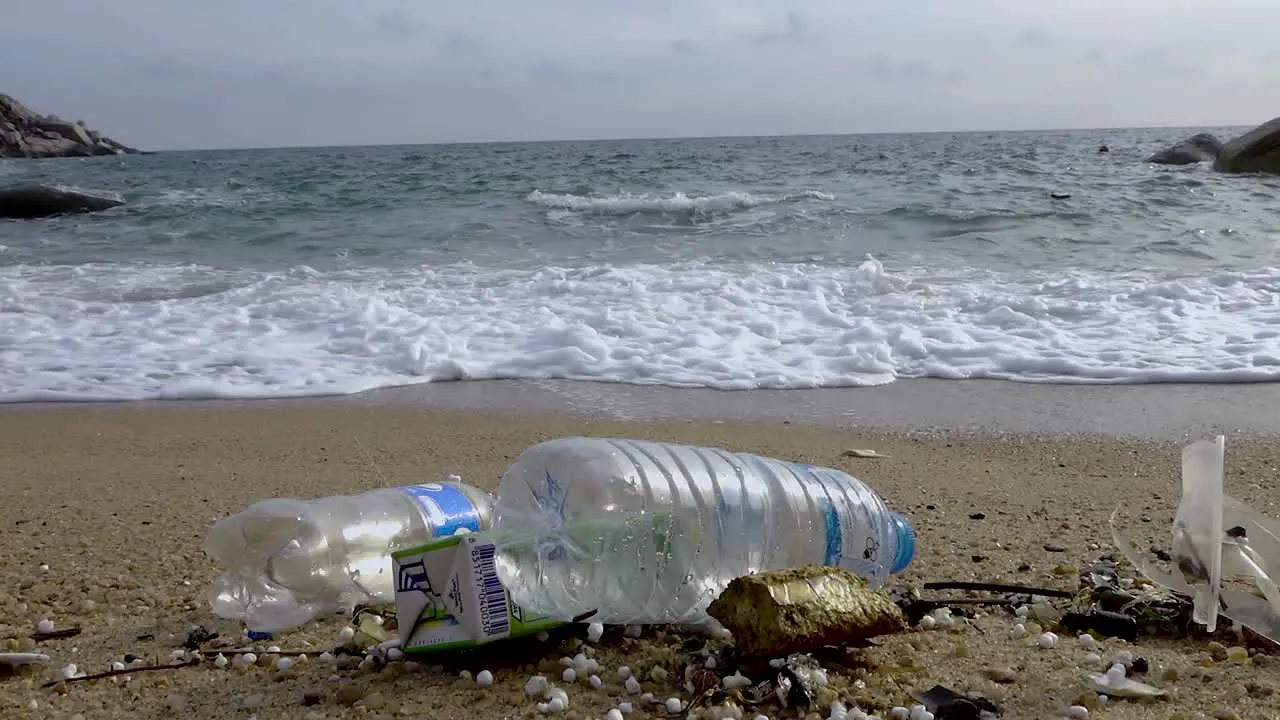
{"x": 165, "y": 74}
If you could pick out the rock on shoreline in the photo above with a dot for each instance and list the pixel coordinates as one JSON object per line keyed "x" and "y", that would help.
{"x": 28, "y": 134}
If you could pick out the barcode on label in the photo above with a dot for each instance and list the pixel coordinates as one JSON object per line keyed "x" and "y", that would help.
{"x": 493, "y": 598}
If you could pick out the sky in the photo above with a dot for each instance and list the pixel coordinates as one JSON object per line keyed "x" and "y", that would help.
{"x": 176, "y": 74}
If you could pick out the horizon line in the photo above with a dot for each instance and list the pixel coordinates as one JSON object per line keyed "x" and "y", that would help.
{"x": 687, "y": 137}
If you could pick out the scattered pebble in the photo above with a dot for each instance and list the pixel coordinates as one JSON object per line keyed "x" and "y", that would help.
{"x": 536, "y": 685}
{"x": 326, "y": 658}
{"x": 69, "y": 671}
{"x": 284, "y": 664}
{"x": 674, "y": 705}
{"x": 1022, "y": 611}
{"x": 1018, "y": 631}
{"x": 595, "y": 631}
{"x": 569, "y": 675}
{"x": 1078, "y": 711}
{"x": 484, "y": 678}
{"x": 614, "y": 714}
{"x": 1047, "y": 641}
{"x": 632, "y": 685}
{"x": 624, "y": 672}
{"x": 1123, "y": 657}
{"x": 45, "y": 626}
{"x": 633, "y": 631}
{"x": 119, "y": 666}
{"x": 625, "y": 708}
{"x": 736, "y": 681}
{"x": 1087, "y": 642}
{"x": 595, "y": 682}
{"x": 928, "y": 622}
{"x": 346, "y": 635}
{"x": 555, "y": 705}
{"x": 1092, "y": 659}
{"x": 899, "y": 713}
{"x": 465, "y": 675}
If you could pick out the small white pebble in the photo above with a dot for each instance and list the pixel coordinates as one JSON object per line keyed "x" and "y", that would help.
{"x": 1047, "y": 641}
{"x": 1022, "y": 611}
{"x": 595, "y": 682}
{"x": 558, "y": 693}
{"x": 1102, "y": 699}
{"x": 273, "y": 648}
{"x": 928, "y": 622}
{"x": 1078, "y": 711}
{"x": 1087, "y": 642}
{"x": 178, "y": 655}
{"x": 1092, "y": 659}
{"x": 556, "y": 705}
{"x": 118, "y": 666}
{"x": 69, "y": 671}
{"x": 326, "y": 658}
{"x": 1126, "y": 583}
{"x": 625, "y": 708}
{"x": 760, "y": 717}
{"x": 218, "y": 662}
{"x": 580, "y": 661}
{"x": 566, "y": 661}
{"x": 591, "y": 666}
{"x": 648, "y": 698}
{"x": 624, "y": 672}
{"x": 346, "y": 635}
{"x": 632, "y": 685}
{"x": 249, "y": 659}
{"x": 633, "y": 631}
{"x": 569, "y": 675}
{"x": 535, "y": 685}
{"x": 1018, "y": 631}
{"x": 543, "y": 708}
{"x": 1115, "y": 675}
{"x": 1123, "y": 657}
{"x": 589, "y": 650}
{"x": 735, "y": 681}
{"x": 284, "y": 664}
{"x": 44, "y": 568}
{"x": 45, "y": 626}
{"x": 34, "y": 704}
{"x": 465, "y": 675}
{"x": 777, "y": 663}
{"x": 898, "y": 712}
{"x": 614, "y": 714}
{"x": 484, "y": 678}
{"x": 674, "y": 705}
{"x": 595, "y": 631}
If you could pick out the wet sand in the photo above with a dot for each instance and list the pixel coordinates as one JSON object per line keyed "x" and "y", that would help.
{"x": 115, "y": 500}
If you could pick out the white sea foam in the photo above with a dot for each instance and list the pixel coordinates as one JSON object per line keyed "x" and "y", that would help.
{"x": 627, "y": 204}
{"x": 132, "y": 332}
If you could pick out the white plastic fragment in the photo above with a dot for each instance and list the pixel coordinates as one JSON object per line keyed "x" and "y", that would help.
{"x": 1117, "y": 686}
{"x": 18, "y": 659}
{"x": 118, "y": 666}
{"x": 536, "y": 685}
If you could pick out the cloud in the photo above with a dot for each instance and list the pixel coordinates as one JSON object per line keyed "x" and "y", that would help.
{"x": 176, "y": 73}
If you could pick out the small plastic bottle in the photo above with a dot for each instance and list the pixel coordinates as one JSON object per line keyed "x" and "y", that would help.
{"x": 648, "y": 532}
{"x": 289, "y": 561}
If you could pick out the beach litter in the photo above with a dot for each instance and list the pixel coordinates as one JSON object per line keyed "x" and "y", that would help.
{"x": 779, "y": 612}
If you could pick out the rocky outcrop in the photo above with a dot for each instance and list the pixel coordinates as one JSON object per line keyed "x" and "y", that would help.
{"x": 1256, "y": 151}
{"x": 28, "y": 134}
{"x": 1195, "y": 149}
{"x": 35, "y": 201}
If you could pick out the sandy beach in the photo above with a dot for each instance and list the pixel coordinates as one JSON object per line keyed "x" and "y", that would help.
{"x": 105, "y": 507}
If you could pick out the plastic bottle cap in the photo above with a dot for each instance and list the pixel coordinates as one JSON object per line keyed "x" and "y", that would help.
{"x": 906, "y": 543}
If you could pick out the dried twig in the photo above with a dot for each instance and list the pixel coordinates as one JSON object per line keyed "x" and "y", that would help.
{"x": 246, "y": 651}
{"x": 999, "y": 587}
{"x": 126, "y": 671}
{"x": 55, "y": 634}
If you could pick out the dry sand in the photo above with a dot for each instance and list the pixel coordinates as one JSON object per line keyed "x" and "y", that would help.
{"x": 116, "y": 500}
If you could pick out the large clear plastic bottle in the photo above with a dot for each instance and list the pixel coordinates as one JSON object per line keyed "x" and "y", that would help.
{"x": 289, "y": 561}
{"x": 648, "y": 532}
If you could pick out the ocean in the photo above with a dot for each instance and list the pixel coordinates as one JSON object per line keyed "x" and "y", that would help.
{"x": 730, "y": 263}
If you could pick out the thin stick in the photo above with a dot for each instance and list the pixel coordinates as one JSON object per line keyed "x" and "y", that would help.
{"x": 55, "y": 634}
{"x": 246, "y": 651}
{"x": 126, "y": 671}
{"x": 999, "y": 587}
